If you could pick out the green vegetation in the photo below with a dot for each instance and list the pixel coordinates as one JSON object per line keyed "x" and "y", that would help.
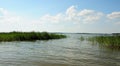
{"x": 29, "y": 36}
{"x": 108, "y": 41}
{"x": 82, "y": 38}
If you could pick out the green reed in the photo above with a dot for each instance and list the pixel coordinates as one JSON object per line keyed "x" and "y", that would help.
{"x": 82, "y": 38}
{"x": 29, "y": 36}
{"x": 109, "y": 41}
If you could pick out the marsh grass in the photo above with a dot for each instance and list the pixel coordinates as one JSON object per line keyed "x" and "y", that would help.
{"x": 108, "y": 41}
{"x": 82, "y": 38}
{"x": 29, "y": 36}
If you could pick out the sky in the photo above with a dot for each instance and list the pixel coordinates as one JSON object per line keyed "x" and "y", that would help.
{"x": 83, "y": 16}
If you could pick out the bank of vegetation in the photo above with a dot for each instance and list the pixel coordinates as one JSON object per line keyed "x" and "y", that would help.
{"x": 29, "y": 36}
{"x": 108, "y": 41}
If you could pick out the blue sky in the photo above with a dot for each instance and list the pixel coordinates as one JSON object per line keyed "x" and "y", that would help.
{"x": 94, "y": 16}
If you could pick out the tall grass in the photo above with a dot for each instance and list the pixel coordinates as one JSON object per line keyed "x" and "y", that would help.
{"x": 82, "y": 38}
{"x": 29, "y": 36}
{"x": 109, "y": 41}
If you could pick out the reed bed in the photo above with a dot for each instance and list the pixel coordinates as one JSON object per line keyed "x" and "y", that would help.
{"x": 82, "y": 38}
{"x": 29, "y": 36}
{"x": 108, "y": 41}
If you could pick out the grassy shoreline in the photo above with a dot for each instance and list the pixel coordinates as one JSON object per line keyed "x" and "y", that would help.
{"x": 29, "y": 36}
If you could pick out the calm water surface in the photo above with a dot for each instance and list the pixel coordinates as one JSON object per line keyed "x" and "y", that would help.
{"x": 62, "y": 52}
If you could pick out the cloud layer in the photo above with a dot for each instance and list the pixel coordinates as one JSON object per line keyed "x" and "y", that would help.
{"x": 71, "y": 17}
{"x": 7, "y": 17}
{"x": 84, "y": 16}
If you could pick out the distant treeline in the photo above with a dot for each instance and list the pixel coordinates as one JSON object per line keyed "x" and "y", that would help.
{"x": 29, "y": 36}
{"x": 116, "y": 34}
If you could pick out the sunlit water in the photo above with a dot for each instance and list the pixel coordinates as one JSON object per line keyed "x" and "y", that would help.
{"x": 61, "y": 52}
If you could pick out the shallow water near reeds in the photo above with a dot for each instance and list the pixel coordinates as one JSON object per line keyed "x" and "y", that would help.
{"x": 70, "y": 51}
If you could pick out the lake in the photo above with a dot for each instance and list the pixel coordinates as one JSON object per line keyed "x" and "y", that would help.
{"x": 69, "y": 51}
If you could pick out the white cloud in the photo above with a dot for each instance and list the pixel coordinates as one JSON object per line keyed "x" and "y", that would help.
{"x": 71, "y": 12}
{"x": 90, "y": 16}
{"x": 85, "y": 12}
{"x": 72, "y": 18}
{"x": 75, "y": 16}
{"x": 114, "y": 15}
{"x": 7, "y": 17}
{"x": 83, "y": 17}
{"x": 13, "y": 22}
{"x": 53, "y": 19}
{"x": 3, "y": 11}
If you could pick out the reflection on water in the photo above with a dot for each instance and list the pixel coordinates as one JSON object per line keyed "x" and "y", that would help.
{"x": 63, "y": 52}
